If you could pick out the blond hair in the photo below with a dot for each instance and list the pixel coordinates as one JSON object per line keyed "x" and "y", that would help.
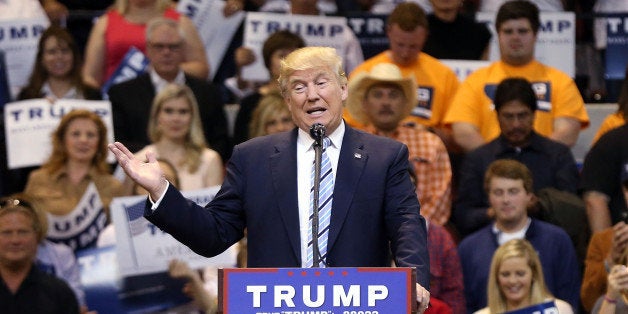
{"x": 270, "y": 106}
{"x": 309, "y": 58}
{"x": 194, "y": 140}
{"x": 511, "y": 249}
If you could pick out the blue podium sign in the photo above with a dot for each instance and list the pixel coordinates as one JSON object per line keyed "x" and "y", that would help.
{"x": 358, "y": 290}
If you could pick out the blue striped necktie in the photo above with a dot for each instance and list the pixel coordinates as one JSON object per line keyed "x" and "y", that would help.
{"x": 326, "y": 190}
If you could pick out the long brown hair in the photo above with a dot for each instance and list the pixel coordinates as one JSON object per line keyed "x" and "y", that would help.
{"x": 59, "y": 156}
{"x": 40, "y": 75}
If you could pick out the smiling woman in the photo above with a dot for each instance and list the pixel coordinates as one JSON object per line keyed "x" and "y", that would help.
{"x": 57, "y": 69}
{"x": 516, "y": 280}
{"x": 74, "y": 186}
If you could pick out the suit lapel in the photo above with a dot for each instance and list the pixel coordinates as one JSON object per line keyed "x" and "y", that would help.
{"x": 284, "y": 180}
{"x": 147, "y": 88}
{"x": 351, "y": 163}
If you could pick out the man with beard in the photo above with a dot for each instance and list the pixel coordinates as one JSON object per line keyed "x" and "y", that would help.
{"x": 551, "y": 162}
{"x": 509, "y": 186}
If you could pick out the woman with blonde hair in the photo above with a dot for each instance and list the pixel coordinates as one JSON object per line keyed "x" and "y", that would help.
{"x": 75, "y": 175}
{"x": 271, "y": 116}
{"x": 175, "y": 130}
{"x": 124, "y": 26}
{"x": 516, "y": 280}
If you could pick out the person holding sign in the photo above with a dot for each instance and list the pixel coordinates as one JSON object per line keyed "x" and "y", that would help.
{"x": 516, "y": 282}
{"x": 74, "y": 186}
{"x": 56, "y": 75}
{"x": 374, "y": 207}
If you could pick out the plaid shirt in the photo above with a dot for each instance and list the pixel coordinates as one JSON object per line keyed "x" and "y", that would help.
{"x": 429, "y": 158}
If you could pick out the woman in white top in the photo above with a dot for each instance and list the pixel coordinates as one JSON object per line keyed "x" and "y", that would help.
{"x": 175, "y": 130}
{"x": 516, "y": 280}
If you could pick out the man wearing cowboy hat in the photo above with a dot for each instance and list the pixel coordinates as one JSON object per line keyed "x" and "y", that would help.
{"x": 381, "y": 99}
{"x": 407, "y": 30}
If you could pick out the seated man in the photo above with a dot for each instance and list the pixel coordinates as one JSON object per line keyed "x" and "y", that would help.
{"x": 380, "y": 99}
{"x": 560, "y": 114}
{"x": 23, "y": 287}
{"x": 509, "y": 186}
{"x": 131, "y": 100}
{"x": 551, "y": 163}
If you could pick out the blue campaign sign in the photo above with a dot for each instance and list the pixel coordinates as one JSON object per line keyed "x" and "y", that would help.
{"x": 370, "y": 29}
{"x": 616, "y": 46}
{"x": 324, "y": 290}
{"x": 107, "y": 292}
{"x": 133, "y": 64}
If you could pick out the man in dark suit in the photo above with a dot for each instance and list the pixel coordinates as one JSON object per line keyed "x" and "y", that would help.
{"x": 131, "y": 100}
{"x": 374, "y": 207}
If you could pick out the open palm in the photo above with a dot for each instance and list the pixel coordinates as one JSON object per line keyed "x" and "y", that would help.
{"x": 147, "y": 174}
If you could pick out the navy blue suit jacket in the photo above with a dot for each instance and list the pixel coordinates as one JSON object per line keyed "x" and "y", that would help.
{"x": 374, "y": 204}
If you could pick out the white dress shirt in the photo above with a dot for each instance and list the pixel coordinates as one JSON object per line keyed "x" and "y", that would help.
{"x": 305, "y": 160}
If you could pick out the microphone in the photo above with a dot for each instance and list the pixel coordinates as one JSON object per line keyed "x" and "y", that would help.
{"x": 317, "y": 132}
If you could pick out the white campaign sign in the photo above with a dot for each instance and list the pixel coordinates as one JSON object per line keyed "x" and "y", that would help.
{"x": 315, "y": 30}
{"x": 18, "y": 40}
{"x": 555, "y": 42}
{"x": 29, "y": 123}
{"x": 214, "y": 28}
{"x": 142, "y": 248}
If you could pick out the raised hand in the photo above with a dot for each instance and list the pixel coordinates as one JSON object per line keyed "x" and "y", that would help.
{"x": 147, "y": 174}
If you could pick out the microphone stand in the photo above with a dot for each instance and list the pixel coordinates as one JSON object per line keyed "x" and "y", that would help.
{"x": 318, "y": 152}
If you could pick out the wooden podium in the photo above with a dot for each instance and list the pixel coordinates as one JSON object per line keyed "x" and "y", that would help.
{"x": 351, "y": 290}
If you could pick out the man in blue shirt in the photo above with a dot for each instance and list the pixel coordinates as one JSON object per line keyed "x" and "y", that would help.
{"x": 508, "y": 184}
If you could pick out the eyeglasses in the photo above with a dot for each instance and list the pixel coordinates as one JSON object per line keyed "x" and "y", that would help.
{"x": 161, "y": 46}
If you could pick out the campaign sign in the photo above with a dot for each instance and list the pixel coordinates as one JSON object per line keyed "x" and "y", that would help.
{"x": 213, "y": 27}
{"x": 370, "y": 29}
{"x": 107, "y": 292}
{"x": 543, "y": 308}
{"x": 555, "y": 42}
{"x": 323, "y": 290}
{"x": 143, "y": 248}
{"x": 133, "y": 64}
{"x": 616, "y": 46}
{"x": 79, "y": 229}
{"x": 32, "y": 121}
{"x": 463, "y": 68}
{"x": 18, "y": 40}
{"x": 315, "y": 30}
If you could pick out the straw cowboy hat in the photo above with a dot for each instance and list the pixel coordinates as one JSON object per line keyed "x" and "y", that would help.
{"x": 386, "y": 73}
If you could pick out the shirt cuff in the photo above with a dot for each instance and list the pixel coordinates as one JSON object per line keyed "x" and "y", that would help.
{"x": 156, "y": 203}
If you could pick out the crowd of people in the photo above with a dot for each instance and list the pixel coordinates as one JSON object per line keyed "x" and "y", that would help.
{"x": 509, "y": 218}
